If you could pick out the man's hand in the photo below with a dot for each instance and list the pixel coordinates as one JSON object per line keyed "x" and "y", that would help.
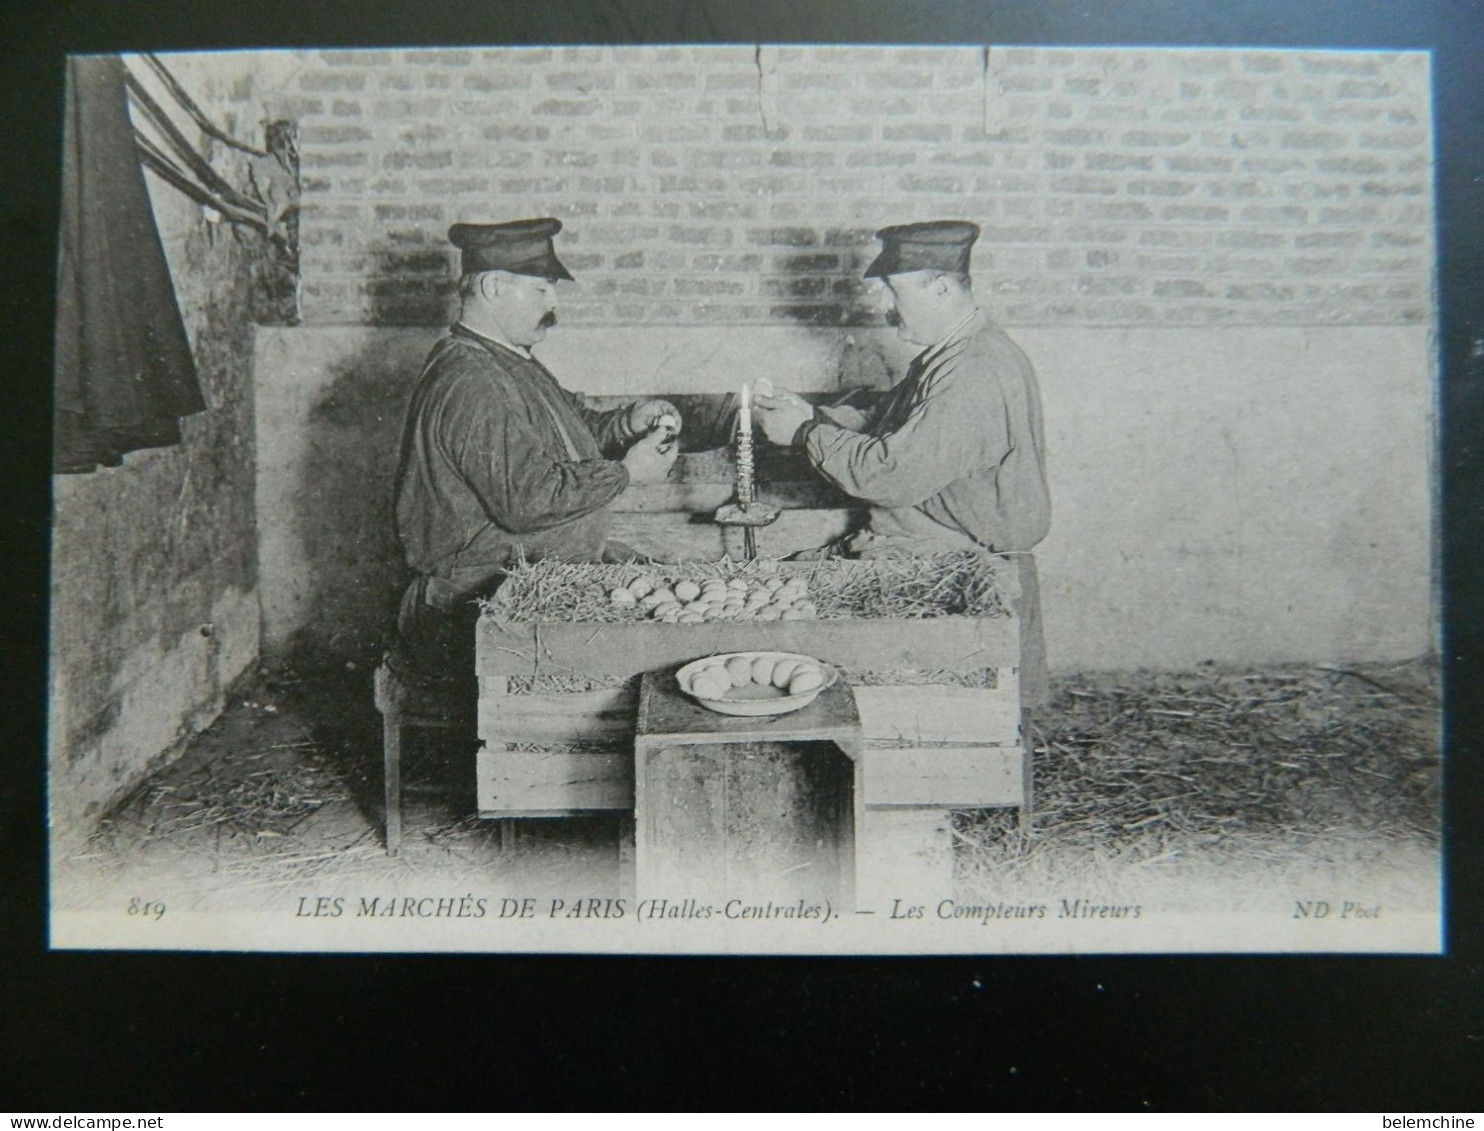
{"x": 645, "y": 416}
{"x": 645, "y": 460}
{"x": 781, "y": 415}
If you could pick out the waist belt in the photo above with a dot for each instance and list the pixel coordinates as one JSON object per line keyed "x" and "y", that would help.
{"x": 447, "y": 594}
{"x": 441, "y": 594}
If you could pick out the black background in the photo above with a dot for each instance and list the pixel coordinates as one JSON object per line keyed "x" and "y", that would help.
{"x": 143, "y": 1032}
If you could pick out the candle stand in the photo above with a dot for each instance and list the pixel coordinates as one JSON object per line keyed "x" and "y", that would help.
{"x": 746, "y": 512}
{"x": 749, "y": 516}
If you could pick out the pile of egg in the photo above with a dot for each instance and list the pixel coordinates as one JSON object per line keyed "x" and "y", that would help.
{"x": 696, "y": 602}
{"x": 792, "y": 677}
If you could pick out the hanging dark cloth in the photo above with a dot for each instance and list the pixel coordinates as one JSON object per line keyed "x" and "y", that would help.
{"x": 125, "y": 374}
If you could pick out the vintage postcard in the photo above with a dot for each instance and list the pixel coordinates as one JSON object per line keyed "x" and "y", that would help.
{"x": 747, "y": 499}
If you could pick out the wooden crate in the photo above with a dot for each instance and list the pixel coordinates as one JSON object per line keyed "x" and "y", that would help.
{"x": 930, "y": 746}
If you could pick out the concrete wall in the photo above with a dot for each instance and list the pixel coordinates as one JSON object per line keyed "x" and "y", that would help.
{"x": 1237, "y": 495}
{"x": 155, "y": 569}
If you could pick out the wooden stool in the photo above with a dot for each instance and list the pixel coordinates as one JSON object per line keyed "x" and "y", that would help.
{"x": 397, "y": 702}
{"x": 689, "y": 810}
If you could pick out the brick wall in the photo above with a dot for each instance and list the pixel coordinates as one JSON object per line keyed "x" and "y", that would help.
{"x": 724, "y": 185}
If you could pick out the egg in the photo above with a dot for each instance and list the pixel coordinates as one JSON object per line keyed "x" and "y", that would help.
{"x": 806, "y": 678}
{"x": 687, "y": 590}
{"x": 808, "y": 608}
{"x": 708, "y": 684}
{"x": 783, "y": 671}
{"x": 738, "y": 584}
{"x": 622, "y": 596}
{"x": 668, "y": 613}
{"x": 739, "y": 669}
{"x": 664, "y": 596}
{"x": 768, "y": 612}
{"x": 762, "y": 670}
{"x": 792, "y": 614}
{"x": 689, "y": 618}
{"x": 641, "y": 586}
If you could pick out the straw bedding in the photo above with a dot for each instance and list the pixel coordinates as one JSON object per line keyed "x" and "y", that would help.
{"x": 1148, "y": 769}
{"x": 950, "y": 584}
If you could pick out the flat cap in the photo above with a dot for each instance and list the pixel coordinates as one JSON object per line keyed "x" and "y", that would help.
{"x": 936, "y": 245}
{"x": 522, "y": 247}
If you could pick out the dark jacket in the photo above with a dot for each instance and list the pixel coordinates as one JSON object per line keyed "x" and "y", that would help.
{"x": 499, "y": 462}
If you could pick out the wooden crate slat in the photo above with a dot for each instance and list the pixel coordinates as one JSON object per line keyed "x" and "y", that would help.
{"x": 931, "y": 644}
{"x": 582, "y": 716}
{"x": 936, "y": 714}
{"x": 532, "y": 782}
{"x": 661, "y": 536}
{"x": 946, "y": 777}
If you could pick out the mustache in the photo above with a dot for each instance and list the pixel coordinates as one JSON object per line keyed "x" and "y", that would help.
{"x": 548, "y": 320}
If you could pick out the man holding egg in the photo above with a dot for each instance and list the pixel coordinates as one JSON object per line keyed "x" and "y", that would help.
{"x": 499, "y": 462}
{"x": 952, "y": 457}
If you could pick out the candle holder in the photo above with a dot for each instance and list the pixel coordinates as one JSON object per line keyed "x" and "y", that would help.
{"x": 746, "y": 512}
{"x": 749, "y": 517}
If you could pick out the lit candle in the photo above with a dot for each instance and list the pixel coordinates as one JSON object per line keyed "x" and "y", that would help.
{"x": 744, "y": 448}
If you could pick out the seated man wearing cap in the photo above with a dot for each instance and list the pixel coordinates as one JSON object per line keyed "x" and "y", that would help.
{"x": 499, "y": 463}
{"x": 952, "y": 456}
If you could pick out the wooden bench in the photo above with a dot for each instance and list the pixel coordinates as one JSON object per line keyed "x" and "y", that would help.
{"x": 400, "y": 707}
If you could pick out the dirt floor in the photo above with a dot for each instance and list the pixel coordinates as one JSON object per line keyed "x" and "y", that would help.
{"x": 1209, "y": 786}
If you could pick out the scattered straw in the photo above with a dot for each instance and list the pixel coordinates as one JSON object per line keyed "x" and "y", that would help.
{"x": 560, "y": 683}
{"x": 1155, "y": 769}
{"x": 262, "y": 803}
{"x": 901, "y": 677}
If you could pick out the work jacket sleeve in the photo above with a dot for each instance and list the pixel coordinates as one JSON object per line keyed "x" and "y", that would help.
{"x": 524, "y": 481}
{"x": 843, "y": 416}
{"x": 610, "y": 427}
{"x": 849, "y": 411}
{"x": 950, "y": 428}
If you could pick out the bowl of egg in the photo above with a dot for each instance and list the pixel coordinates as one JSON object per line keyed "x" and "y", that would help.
{"x": 755, "y": 683}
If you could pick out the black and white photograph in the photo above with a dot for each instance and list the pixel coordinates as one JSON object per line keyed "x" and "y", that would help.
{"x": 753, "y": 499}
